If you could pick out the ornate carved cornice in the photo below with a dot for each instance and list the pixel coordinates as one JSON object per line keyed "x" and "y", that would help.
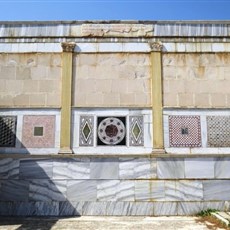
{"x": 156, "y": 46}
{"x": 68, "y": 46}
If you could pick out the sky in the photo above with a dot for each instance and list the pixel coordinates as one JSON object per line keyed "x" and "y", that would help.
{"x": 43, "y": 10}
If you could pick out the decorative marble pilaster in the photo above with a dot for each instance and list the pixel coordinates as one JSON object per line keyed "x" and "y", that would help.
{"x": 67, "y": 59}
{"x": 157, "y": 111}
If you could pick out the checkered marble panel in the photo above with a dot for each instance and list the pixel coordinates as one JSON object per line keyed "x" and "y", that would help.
{"x": 136, "y": 131}
{"x": 7, "y": 131}
{"x": 218, "y": 131}
{"x": 86, "y": 132}
{"x": 38, "y": 131}
{"x": 184, "y": 131}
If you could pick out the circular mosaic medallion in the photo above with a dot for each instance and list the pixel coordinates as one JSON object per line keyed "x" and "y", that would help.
{"x": 111, "y": 131}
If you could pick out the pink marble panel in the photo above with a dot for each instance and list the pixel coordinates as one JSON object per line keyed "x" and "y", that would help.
{"x": 47, "y": 139}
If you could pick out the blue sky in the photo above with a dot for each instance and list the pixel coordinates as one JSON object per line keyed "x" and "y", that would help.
{"x": 114, "y": 10}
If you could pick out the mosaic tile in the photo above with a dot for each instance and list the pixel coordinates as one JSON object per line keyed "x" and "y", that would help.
{"x": 38, "y": 131}
{"x": 7, "y": 131}
{"x": 184, "y": 131}
{"x": 86, "y": 134}
{"x": 218, "y": 131}
{"x": 136, "y": 132}
{"x": 111, "y": 131}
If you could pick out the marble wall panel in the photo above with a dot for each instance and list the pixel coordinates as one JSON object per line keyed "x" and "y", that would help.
{"x": 14, "y": 190}
{"x": 67, "y": 208}
{"x": 141, "y": 209}
{"x": 216, "y": 190}
{"x": 165, "y": 208}
{"x": 142, "y": 190}
{"x": 71, "y": 168}
{"x": 222, "y": 166}
{"x": 190, "y": 190}
{"x": 189, "y": 208}
{"x": 36, "y": 169}
{"x": 81, "y": 190}
{"x": 104, "y": 168}
{"x": 157, "y": 190}
{"x": 118, "y": 208}
{"x": 47, "y": 208}
{"x": 9, "y": 168}
{"x": 107, "y": 190}
{"x": 170, "y": 168}
{"x": 135, "y": 168}
{"x": 94, "y": 208}
{"x": 126, "y": 190}
{"x": 199, "y": 168}
{"x": 47, "y": 190}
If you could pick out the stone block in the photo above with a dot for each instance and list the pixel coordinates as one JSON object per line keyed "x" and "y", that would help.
{"x": 94, "y": 208}
{"x": 46, "y": 190}
{"x": 107, "y": 190}
{"x": 70, "y": 209}
{"x": 56, "y": 60}
{"x": 127, "y": 99}
{"x": 142, "y": 190}
{"x": 8, "y": 72}
{"x": 9, "y": 168}
{"x": 6, "y": 101}
{"x": 189, "y": 208}
{"x": 104, "y": 168}
{"x": 165, "y": 208}
{"x": 218, "y": 100}
{"x": 216, "y": 190}
{"x": 14, "y": 86}
{"x": 53, "y": 100}
{"x": 39, "y": 72}
{"x": 186, "y": 99}
{"x": 119, "y": 86}
{"x": 134, "y": 168}
{"x": 81, "y": 190}
{"x": 43, "y": 59}
{"x": 21, "y": 100}
{"x": 142, "y": 99}
{"x": 170, "y": 168}
{"x": 157, "y": 190}
{"x": 103, "y": 85}
{"x": 38, "y": 100}
{"x": 111, "y": 99}
{"x": 30, "y": 86}
{"x": 14, "y": 190}
{"x": 49, "y": 86}
{"x": 202, "y": 100}
{"x": 222, "y": 166}
{"x": 54, "y": 73}
{"x": 169, "y": 73}
{"x": 199, "y": 168}
{"x": 95, "y": 99}
{"x": 23, "y": 73}
{"x": 36, "y": 169}
{"x": 170, "y": 99}
{"x": 176, "y": 86}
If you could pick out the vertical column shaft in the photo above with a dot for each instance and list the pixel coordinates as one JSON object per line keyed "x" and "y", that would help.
{"x": 67, "y": 60}
{"x": 157, "y": 102}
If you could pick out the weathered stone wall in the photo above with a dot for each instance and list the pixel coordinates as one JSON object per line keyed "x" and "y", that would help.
{"x": 112, "y": 80}
{"x": 196, "y": 80}
{"x": 30, "y": 80}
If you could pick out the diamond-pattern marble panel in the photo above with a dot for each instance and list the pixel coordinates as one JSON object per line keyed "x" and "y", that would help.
{"x": 136, "y": 132}
{"x": 86, "y": 131}
{"x": 7, "y": 131}
{"x": 218, "y": 131}
{"x": 184, "y": 131}
{"x": 30, "y": 123}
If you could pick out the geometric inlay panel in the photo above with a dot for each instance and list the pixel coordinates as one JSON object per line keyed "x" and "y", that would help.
{"x": 136, "y": 131}
{"x": 8, "y": 131}
{"x": 38, "y": 131}
{"x": 111, "y": 131}
{"x": 218, "y": 131}
{"x": 184, "y": 131}
{"x": 86, "y": 135}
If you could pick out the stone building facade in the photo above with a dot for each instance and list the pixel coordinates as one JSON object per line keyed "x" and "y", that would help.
{"x": 114, "y": 118}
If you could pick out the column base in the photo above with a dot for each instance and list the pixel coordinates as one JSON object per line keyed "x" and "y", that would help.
{"x": 158, "y": 151}
{"x": 65, "y": 151}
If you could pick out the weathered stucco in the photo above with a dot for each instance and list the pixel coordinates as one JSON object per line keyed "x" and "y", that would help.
{"x": 30, "y": 80}
{"x": 196, "y": 80}
{"x": 112, "y": 80}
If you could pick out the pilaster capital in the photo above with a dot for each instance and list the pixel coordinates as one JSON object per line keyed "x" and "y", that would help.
{"x": 156, "y": 46}
{"x": 68, "y": 46}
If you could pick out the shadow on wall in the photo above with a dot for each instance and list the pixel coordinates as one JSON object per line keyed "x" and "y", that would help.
{"x": 30, "y": 186}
